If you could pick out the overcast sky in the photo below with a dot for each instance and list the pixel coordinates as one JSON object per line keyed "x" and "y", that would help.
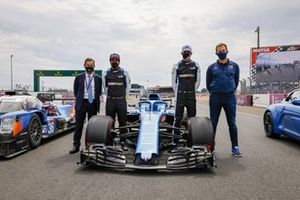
{"x": 60, "y": 34}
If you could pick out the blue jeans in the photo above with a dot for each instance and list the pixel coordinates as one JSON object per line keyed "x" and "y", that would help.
{"x": 228, "y": 103}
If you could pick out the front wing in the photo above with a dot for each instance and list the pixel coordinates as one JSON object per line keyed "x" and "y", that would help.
{"x": 180, "y": 158}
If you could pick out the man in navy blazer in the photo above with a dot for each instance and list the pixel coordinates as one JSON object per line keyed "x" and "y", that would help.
{"x": 87, "y": 91}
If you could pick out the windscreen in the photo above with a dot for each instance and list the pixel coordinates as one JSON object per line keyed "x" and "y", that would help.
{"x": 145, "y": 106}
{"x": 6, "y": 106}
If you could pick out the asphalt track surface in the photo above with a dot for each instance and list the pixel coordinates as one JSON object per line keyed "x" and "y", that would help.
{"x": 269, "y": 169}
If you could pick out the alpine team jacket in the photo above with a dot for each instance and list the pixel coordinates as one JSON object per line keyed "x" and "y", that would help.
{"x": 222, "y": 78}
{"x": 186, "y": 76}
{"x": 116, "y": 83}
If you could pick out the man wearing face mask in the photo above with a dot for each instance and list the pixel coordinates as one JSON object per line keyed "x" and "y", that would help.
{"x": 116, "y": 85}
{"x": 185, "y": 82}
{"x": 222, "y": 79}
{"x": 87, "y": 90}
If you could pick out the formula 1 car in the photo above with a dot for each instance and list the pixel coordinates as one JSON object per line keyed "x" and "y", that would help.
{"x": 284, "y": 118}
{"x": 149, "y": 140}
{"x": 25, "y": 120}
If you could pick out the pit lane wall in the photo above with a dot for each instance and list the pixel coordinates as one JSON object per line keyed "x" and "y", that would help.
{"x": 256, "y": 100}
{"x": 260, "y": 100}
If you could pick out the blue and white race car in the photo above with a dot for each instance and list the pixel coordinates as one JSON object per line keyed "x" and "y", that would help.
{"x": 284, "y": 118}
{"x": 25, "y": 120}
{"x": 149, "y": 140}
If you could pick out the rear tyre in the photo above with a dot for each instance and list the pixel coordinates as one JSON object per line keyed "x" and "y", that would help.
{"x": 35, "y": 131}
{"x": 98, "y": 130}
{"x": 200, "y": 131}
{"x": 269, "y": 126}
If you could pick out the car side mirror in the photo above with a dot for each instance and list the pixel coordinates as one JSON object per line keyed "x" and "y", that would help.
{"x": 296, "y": 102}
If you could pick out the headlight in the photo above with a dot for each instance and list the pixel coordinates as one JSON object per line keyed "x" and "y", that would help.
{"x": 7, "y": 125}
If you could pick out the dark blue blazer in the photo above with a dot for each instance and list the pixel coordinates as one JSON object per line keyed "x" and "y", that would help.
{"x": 79, "y": 90}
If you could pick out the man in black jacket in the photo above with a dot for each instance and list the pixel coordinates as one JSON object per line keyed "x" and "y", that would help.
{"x": 185, "y": 81}
{"x": 87, "y": 90}
{"x": 116, "y": 84}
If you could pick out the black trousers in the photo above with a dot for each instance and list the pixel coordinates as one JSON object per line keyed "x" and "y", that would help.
{"x": 117, "y": 107}
{"x": 187, "y": 100}
{"x": 86, "y": 108}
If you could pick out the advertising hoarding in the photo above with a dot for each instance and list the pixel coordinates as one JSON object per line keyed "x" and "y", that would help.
{"x": 275, "y": 64}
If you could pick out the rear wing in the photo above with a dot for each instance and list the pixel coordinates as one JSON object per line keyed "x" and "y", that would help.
{"x": 57, "y": 99}
{"x": 169, "y": 101}
{"x": 16, "y": 92}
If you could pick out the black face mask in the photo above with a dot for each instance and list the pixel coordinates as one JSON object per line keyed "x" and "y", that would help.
{"x": 185, "y": 55}
{"x": 89, "y": 69}
{"x": 114, "y": 65}
{"x": 222, "y": 55}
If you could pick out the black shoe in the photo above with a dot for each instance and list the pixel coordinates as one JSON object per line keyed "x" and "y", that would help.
{"x": 123, "y": 146}
{"x": 173, "y": 147}
{"x": 74, "y": 150}
{"x": 175, "y": 141}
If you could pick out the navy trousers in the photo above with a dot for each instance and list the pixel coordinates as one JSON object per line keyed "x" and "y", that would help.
{"x": 228, "y": 103}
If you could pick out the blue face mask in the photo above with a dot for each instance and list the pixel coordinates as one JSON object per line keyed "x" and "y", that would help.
{"x": 222, "y": 55}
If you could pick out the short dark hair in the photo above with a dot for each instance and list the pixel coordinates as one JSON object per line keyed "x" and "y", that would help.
{"x": 221, "y": 44}
{"x": 114, "y": 55}
{"x": 89, "y": 60}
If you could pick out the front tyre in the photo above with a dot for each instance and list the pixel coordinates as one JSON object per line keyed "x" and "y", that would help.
{"x": 98, "y": 130}
{"x": 200, "y": 131}
{"x": 269, "y": 125}
{"x": 35, "y": 131}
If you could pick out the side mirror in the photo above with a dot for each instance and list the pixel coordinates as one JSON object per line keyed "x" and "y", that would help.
{"x": 296, "y": 102}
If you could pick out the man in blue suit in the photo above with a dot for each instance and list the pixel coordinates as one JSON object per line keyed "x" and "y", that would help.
{"x": 87, "y": 90}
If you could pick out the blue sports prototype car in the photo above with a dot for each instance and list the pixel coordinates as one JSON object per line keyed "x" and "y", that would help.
{"x": 284, "y": 118}
{"x": 25, "y": 120}
{"x": 148, "y": 141}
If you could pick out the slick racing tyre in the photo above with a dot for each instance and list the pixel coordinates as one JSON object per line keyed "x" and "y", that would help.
{"x": 35, "y": 131}
{"x": 200, "y": 131}
{"x": 269, "y": 126}
{"x": 98, "y": 130}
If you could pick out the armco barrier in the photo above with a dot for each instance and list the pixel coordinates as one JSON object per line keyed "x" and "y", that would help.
{"x": 261, "y": 100}
{"x": 276, "y": 97}
{"x": 264, "y": 100}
